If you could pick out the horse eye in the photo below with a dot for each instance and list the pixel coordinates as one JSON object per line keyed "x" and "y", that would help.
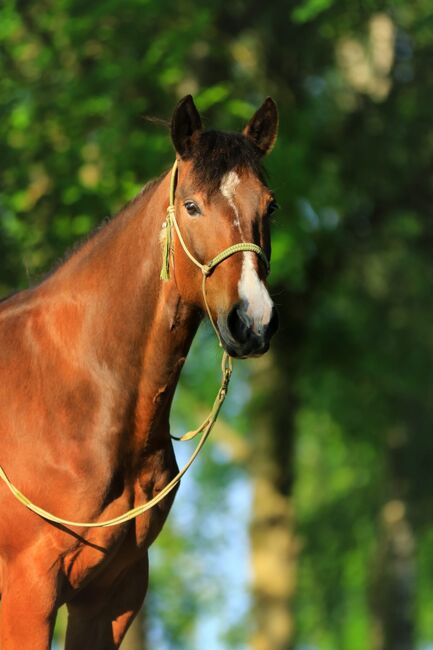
{"x": 192, "y": 208}
{"x": 273, "y": 205}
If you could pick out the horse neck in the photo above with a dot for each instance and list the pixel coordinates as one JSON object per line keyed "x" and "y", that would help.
{"x": 132, "y": 324}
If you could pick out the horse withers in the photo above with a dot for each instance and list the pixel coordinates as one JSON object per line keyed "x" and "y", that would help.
{"x": 89, "y": 362}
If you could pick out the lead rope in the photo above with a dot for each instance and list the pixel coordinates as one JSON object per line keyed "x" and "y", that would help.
{"x": 226, "y": 370}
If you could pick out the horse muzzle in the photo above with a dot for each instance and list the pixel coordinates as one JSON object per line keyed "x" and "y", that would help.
{"x": 244, "y": 337}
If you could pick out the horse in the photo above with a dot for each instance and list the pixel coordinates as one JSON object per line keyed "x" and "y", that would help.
{"x": 89, "y": 362}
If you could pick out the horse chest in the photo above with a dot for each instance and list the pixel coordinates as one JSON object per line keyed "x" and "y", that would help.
{"x": 106, "y": 552}
{"x": 158, "y": 470}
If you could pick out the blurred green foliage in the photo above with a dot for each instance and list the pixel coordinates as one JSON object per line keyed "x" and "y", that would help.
{"x": 352, "y": 251}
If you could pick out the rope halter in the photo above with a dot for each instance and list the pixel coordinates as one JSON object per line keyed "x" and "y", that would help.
{"x": 206, "y": 269}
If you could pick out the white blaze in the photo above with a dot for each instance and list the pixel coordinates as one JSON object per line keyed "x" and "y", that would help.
{"x": 228, "y": 186}
{"x": 251, "y": 289}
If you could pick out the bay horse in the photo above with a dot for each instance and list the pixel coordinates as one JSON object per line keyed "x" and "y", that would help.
{"x": 89, "y": 362}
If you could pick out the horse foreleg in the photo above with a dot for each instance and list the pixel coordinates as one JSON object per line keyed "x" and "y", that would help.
{"x": 28, "y": 609}
{"x": 99, "y": 618}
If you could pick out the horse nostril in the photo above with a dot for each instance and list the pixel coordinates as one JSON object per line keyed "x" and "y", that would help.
{"x": 239, "y": 324}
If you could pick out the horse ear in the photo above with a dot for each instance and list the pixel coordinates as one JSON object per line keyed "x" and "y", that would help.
{"x": 262, "y": 129}
{"x": 185, "y": 126}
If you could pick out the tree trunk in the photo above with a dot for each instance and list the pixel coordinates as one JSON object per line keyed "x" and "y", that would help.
{"x": 394, "y": 577}
{"x": 273, "y": 542}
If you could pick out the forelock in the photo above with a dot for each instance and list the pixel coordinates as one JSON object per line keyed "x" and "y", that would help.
{"x": 217, "y": 153}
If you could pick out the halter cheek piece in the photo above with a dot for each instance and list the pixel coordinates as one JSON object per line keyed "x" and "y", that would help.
{"x": 206, "y": 426}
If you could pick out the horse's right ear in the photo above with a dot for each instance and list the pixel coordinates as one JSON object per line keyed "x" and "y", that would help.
{"x": 185, "y": 126}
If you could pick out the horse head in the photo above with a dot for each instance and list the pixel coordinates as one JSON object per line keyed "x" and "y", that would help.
{"x": 221, "y": 200}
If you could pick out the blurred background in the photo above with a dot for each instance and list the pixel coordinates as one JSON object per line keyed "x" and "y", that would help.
{"x": 307, "y": 522}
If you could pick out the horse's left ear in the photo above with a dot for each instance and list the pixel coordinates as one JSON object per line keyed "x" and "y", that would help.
{"x": 262, "y": 129}
{"x": 185, "y": 126}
